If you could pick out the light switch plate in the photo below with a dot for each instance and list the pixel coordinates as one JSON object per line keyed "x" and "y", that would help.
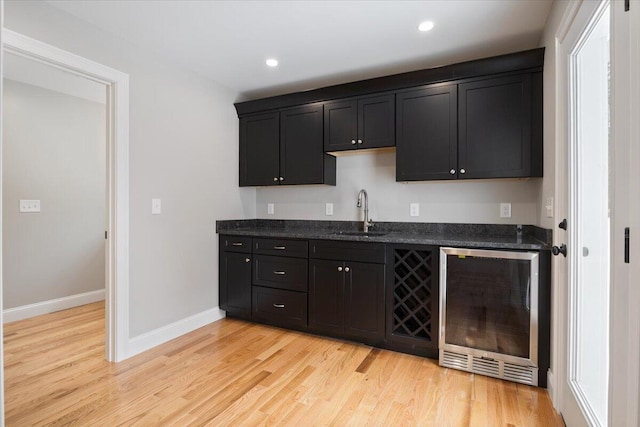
{"x": 328, "y": 209}
{"x": 29, "y": 206}
{"x": 156, "y": 206}
{"x": 505, "y": 210}
{"x": 414, "y": 209}
{"x": 270, "y": 209}
{"x": 549, "y": 207}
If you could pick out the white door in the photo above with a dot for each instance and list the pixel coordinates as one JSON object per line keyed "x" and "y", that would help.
{"x": 598, "y": 156}
{"x": 584, "y": 61}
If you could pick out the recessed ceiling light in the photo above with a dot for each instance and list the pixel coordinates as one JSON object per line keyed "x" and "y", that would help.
{"x": 272, "y": 62}
{"x": 425, "y": 26}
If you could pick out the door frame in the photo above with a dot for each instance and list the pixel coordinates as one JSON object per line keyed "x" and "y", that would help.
{"x": 624, "y": 351}
{"x": 117, "y": 253}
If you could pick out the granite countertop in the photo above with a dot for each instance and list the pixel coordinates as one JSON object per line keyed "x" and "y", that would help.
{"x": 496, "y": 236}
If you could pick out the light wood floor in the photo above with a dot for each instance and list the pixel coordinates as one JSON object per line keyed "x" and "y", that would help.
{"x": 238, "y": 373}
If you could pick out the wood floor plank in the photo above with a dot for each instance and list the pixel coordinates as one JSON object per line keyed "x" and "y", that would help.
{"x": 237, "y": 373}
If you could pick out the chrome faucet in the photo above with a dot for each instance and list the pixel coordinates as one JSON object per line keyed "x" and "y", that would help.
{"x": 368, "y": 223}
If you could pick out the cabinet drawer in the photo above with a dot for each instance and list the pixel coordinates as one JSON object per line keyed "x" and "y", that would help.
{"x": 347, "y": 251}
{"x": 281, "y": 247}
{"x": 235, "y": 244}
{"x": 276, "y": 306}
{"x": 280, "y": 272}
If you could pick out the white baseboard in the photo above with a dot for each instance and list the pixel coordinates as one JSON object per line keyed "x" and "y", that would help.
{"x": 46, "y": 307}
{"x": 166, "y": 333}
{"x": 551, "y": 387}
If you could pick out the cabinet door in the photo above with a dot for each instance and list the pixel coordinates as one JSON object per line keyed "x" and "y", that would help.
{"x": 426, "y": 138}
{"x": 495, "y": 128}
{"x": 301, "y": 151}
{"x": 235, "y": 284}
{"x": 259, "y": 150}
{"x": 340, "y": 125}
{"x": 326, "y": 296}
{"x": 364, "y": 301}
{"x": 376, "y": 122}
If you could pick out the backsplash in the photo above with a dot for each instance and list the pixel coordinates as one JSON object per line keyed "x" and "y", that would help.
{"x": 471, "y": 201}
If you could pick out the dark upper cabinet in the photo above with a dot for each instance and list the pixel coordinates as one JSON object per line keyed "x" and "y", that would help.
{"x": 259, "y": 149}
{"x": 495, "y": 128}
{"x": 487, "y": 128}
{"x": 365, "y": 122}
{"x": 235, "y": 282}
{"x": 285, "y": 148}
{"x": 426, "y": 133}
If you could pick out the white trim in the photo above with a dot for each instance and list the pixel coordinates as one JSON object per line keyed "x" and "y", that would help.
{"x": 1, "y": 254}
{"x": 166, "y": 333}
{"x": 551, "y": 384}
{"x": 117, "y": 274}
{"x": 50, "y": 306}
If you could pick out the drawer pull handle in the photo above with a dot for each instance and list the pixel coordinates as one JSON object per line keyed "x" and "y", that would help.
{"x": 236, "y": 244}
{"x": 278, "y": 305}
{"x": 281, "y": 248}
{"x": 281, "y": 273}
{"x": 247, "y": 259}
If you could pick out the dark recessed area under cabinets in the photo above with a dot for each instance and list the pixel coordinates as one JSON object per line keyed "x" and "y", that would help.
{"x": 472, "y": 120}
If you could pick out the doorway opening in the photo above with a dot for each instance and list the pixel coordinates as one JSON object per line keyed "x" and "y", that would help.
{"x": 117, "y": 176}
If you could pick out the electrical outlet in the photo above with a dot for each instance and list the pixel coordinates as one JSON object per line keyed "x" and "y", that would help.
{"x": 328, "y": 209}
{"x": 156, "y": 206}
{"x": 29, "y": 206}
{"x": 505, "y": 210}
{"x": 414, "y": 209}
{"x": 270, "y": 209}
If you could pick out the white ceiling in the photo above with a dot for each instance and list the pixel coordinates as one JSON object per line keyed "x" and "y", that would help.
{"x": 317, "y": 42}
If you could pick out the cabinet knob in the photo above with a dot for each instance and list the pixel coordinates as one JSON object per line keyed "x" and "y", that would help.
{"x": 339, "y": 268}
{"x": 275, "y": 178}
{"x": 346, "y": 269}
{"x": 462, "y": 171}
{"x": 452, "y": 171}
{"x": 359, "y": 141}
{"x": 247, "y": 259}
{"x": 281, "y": 179}
{"x": 353, "y": 142}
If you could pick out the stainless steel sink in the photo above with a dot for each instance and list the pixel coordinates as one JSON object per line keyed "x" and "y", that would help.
{"x": 360, "y": 233}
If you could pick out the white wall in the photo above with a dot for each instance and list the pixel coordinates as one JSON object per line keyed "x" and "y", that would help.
{"x": 470, "y": 201}
{"x": 183, "y": 149}
{"x": 54, "y": 151}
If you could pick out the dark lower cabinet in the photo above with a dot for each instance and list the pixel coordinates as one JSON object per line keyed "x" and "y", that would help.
{"x": 364, "y": 301}
{"x": 280, "y": 307}
{"x": 346, "y": 299}
{"x": 413, "y": 300}
{"x": 235, "y": 283}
